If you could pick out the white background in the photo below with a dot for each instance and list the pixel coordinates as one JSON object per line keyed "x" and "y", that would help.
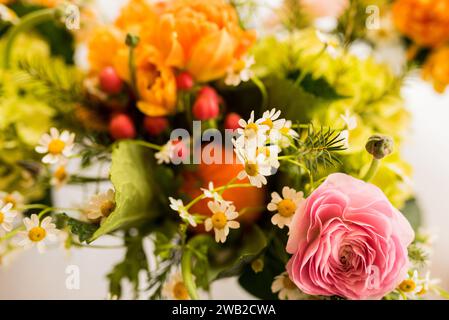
{"x": 35, "y": 276}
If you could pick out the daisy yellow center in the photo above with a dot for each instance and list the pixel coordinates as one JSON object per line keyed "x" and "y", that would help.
{"x": 268, "y": 122}
{"x": 107, "y": 207}
{"x": 263, "y": 150}
{"x": 407, "y": 285}
{"x": 10, "y": 199}
{"x": 252, "y": 169}
{"x": 180, "y": 291}
{"x": 239, "y": 65}
{"x": 37, "y": 234}
{"x": 251, "y": 129}
{"x": 56, "y": 146}
{"x": 60, "y": 174}
{"x": 288, "y": 284}
{"x": 2, "y": 217}
{"x": 286, "y": 208}
{"x": 284, "y": 130}
{"x": 219, "y": 220}
{"x": 422, "y": 291}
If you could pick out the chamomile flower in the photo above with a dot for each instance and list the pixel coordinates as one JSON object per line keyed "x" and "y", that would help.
{"x": 222, "y": 220}
{"x": 178, "y": 205}
{"x": 240, "y": 71}
{"x": 287, "y": 134}
{"x": 175, "y": 289}
{"x": 331, "y": 43}
{"x": 252, "y": 130}
{"x": 57, "y": 146}
{"x": 412, "y": 285}
{"x": 37, "y": 232}
{"x": 270, "y": 118}
{"x": 285, "y": 288}
{"x": 271, "y": 153}
{"x": 285, "y": 206}
{"x": 255, "y": 168}
{"x": 59, "y": 176}
{"x": 349, "y": 120}
{"x": 172, "y": 150}
{"x": 15, "y": 198}
{"x": 101, "y": 205}
{"x": 211, "y": 193}
{"x": 6, "y": 217}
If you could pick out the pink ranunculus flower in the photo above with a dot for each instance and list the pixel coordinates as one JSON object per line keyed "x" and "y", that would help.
{"x": 348, "y": 240}
{"x": 325, "y": 8}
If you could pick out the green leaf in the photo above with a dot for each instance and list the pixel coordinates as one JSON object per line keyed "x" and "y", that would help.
{"x": 134, "y": 261}
{"x": 134, "y": 184}
{"x": 412, "y": 212}
{"x": 254, "y": 242}
{"x": 83, "y": 230}
{"x": 319, "y": 87}
{"x": 295, "y": 103}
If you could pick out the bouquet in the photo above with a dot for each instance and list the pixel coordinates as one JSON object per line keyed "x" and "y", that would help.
{"x": 274, "y": 159}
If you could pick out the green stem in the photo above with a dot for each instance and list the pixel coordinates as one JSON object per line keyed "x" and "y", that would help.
{"x": 262, "y": 89}
{"x": 132, "y": 71}
{"x": 147, "y": 144}
{"x": 26, "y": 23}
{"x": 372, "y": 170}
{"x": 219, "y": 189}
{"x": 312, "y": 182}
{"x": 186, "y": 266}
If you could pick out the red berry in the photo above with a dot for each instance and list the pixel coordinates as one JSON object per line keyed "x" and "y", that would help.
{"x": 122, "y": 127}
{"x": 155, "y": 125}
{"x": 110, "y": 81}
{"x": 180, "y": 149}
{"x": 207, "y": 104}
{"x": 232, "y": 121}
{"x": 184, "y": 81}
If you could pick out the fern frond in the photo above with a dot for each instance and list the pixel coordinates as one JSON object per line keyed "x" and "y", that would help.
{"x": 51, "y": 79}
{"x": 319, "y": 148}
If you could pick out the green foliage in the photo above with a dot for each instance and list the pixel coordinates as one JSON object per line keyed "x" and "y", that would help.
{"x": 135, "y": 187}
{"x": 317, "y": 86}
{"x": 83, "y": 230}
{"x": 319, "y": 148}
{"x": 52, "y": 80}
{"x": 135, "y": 260}
{"x": 412, "y": 212}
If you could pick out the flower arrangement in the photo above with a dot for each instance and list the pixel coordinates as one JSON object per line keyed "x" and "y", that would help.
{"x": 274, "y": 160}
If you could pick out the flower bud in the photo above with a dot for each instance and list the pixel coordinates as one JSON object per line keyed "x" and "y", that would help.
{"x": 379, "y": 146}
{"x": 122, "y": 127}
{"x": 232, "y": 121}
{"x": 257, "y": 265}
{"x": 207, "y": 104}
{"x": 184, "y": 81}
{"x": 155, "y": 125}
{"x": 110, "y": 82}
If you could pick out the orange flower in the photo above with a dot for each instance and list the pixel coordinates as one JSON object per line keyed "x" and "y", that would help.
{"x": 156, "y": 83}
{"x": 436, "y": 69}
{"x": 424, "y": 21}
{"x": 203, "y": 37}
{"x": 104, "y": 44}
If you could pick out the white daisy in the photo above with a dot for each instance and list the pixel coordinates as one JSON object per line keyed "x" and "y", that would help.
{"x": 331, "y": 43}
{"x": 6, "y": 217}
{"x": 15, "y": 198}
{"x": 252, "y": 130}
{"x": 172, "y": 151}
{"x": 59, "y": 177}
{"x": 56, "y": 146}
{"x": 350, "y": 120}
{"x": 284, "y": 206}
{"x": 175, "y": 289}
{"x": 255, "y": 168}
{"x": 412, "y": 285}
{"x": 271, "y": 153}
{"x": 285, "y": 287}
{"x": 37, "y": 232}
{"x": 211, "y": 193}
{"x": 221, "y": 220}
{"x": 240, "y": 71}
{"x": 270, "y": 118}
{"x": 287, "y": 134}
{"x": 101, "y": 205}
{"x": 178, "y": 205}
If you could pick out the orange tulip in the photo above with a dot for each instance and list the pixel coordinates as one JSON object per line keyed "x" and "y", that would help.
{"x": 436, "y": 69}
{"x": 424, "y": 21}
{"x": 103, "y": 42}
{"x": 156, "y": 83}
